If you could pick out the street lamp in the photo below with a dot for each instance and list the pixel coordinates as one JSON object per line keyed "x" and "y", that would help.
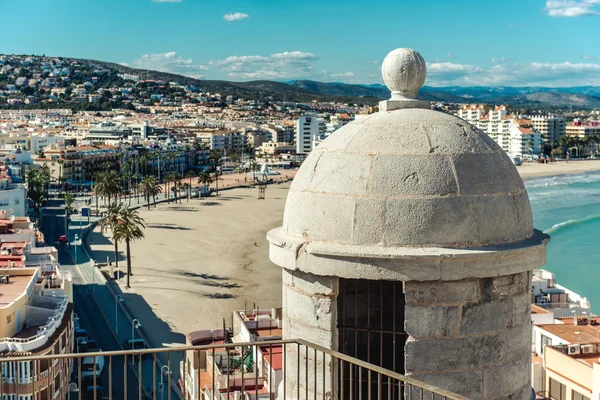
{"x": 134, "y": 324}
{"x": 163, "y": 373}
{"x": 117, "y": 299}
{"x": 79, "y": 339}
{"x": 75, "y": 244}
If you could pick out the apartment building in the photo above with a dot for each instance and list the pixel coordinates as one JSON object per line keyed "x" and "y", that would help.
{"x": 222, "y": 140}
{"x": 582, "y": 129}
{"x": 573, "y": 371}
{"x": 309, "y": 130}
{"x": 549, "y": 126}
{"x": 12, "y": 195}
{"x": 472, "y": 113}
{"x": 36, "y": 313}
{"x": 256, "y": 369}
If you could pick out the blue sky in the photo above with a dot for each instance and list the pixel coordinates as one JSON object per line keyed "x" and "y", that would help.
{"x": 467, "y": 43}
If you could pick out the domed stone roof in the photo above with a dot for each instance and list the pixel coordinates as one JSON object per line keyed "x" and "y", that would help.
{"x": 408, "y": 177}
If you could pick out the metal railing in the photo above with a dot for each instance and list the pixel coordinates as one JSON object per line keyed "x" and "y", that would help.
{"x": 281, "y": 369}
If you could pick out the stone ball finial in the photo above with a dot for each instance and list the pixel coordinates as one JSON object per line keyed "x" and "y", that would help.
{"x": 404, "y": 72}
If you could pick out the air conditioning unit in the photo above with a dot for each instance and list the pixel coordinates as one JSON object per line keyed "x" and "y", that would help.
{"x": 573, "y": 349}
{"x": 587, "y": 348}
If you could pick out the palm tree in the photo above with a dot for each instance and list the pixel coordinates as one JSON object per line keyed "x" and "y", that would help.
{"x": 190, "y": 174}
{"x": 176, "y": 178}
{"x": 69, "y": 198}
{"x": 129, "y": 228}
{"x": 110, "y": 220}
{"x": 216, "y": 178}
{"x": 150, "y": 187}
{"x": 205, "y": 179}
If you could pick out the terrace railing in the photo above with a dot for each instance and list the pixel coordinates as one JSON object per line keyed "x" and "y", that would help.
{"x": 281, "y": 369}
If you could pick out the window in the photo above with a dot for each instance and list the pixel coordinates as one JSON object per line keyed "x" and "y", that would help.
{"x": 16, "y": 202}
{"x": 558, "y": 391}
{"x": 578, "y": 396}
{"x": 545, "y": 341}
{"x": 8, "y": 319}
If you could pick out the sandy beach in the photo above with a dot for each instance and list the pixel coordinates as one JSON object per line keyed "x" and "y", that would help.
{"x": 534, "y": 170}
{"x": 203, "y": 258}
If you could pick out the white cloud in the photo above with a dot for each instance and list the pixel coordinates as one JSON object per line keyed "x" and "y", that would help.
{"x": 237, "y": 16}
{"x": 285, "y": 65}
{"x": 166, "y": 1}
{"x": 373, "y": 62}
{"x": 343, "y": 75}
{"x": 571, "y": 8}
{"x": 450, "y": 55}
{"x": 498, "y": 60}
{"x": 514, "y": 74}
{"x": 170, "y": 62}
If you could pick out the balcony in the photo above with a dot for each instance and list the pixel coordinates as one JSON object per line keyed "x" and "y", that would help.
{"x": 280, "y": 369}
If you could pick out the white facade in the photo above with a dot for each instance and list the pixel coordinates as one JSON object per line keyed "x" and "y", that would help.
{"x": 522, "y": 139}
{"x": 309, "y": 130}
{"x": 12, "y": 199}
{"x": 550, "y": 127}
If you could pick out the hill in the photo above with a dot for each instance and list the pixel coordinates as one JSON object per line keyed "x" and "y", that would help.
{"x": 583, "y": 96}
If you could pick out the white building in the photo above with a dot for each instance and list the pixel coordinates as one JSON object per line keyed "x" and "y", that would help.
{"x": 12, "y": 197}
{"x": 309, "y": 130}
{"x": 549, "y": 126}
{"x": 523, "y": 138}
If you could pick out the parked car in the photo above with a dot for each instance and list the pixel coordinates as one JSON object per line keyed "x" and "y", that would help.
{"x": 90, "y": 346}
{"x": 87, "y": 366}
{"x": 81, "y": 333}
{"x": 135, "y": 344}
{"x": 63, "y": 239}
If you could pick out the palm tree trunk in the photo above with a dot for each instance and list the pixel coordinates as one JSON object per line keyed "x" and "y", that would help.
{"x": 148, "y": 198}
{"x": 116, "y": 253}
{"x": 128, "y": 264}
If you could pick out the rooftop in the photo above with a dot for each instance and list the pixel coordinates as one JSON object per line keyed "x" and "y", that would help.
{"x": 15, "y": 287}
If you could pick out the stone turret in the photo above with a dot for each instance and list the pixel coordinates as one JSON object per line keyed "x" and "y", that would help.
{"x": 408, "y": 242}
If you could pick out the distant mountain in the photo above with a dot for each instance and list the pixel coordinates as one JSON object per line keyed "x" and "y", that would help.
{"x": 582, "y": 96}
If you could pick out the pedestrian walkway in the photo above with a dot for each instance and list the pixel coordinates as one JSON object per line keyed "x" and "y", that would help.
{"x": 118, "y": 314}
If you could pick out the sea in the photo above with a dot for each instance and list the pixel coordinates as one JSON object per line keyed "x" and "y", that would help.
{"x": 567, "y": 207}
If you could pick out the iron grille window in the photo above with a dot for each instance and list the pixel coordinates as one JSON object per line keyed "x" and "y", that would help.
{"x": 370, "y": 328}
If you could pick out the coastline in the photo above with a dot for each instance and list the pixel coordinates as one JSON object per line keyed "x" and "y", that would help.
{"x": 533, "y": 170}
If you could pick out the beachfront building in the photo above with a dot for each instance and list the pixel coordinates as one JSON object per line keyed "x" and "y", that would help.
{"x": 36, "y": 310}
{"x": 551, "y": 127}
{"x": 262, "y": 365}
{"x": 308, "y": 132}
{"x": 472, "y": 113}
{"x": 12, "y": 195}
{"x": 523, "y": 139}
{"x": 548, "y": 294}
{"x": 217, "y": 139}
{"x": 582, "y": 129}
{"x": 427, "y": 288}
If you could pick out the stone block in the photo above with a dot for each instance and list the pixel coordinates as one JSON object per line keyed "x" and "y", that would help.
{"x": 521, "y": 310}
{"x": 506, "y": 286}
{"x": 309, "y": 283}
{"x": 368, "y": 268}
{"x": 442, "y": 293}
{"x": 319, "y": 312}
{"x": 524, "y": 213}
{"x": 508, "y": 379}
{"x": 412, "y": 175}
{"x": 305, "y": 174}
{"x": 488, "y": 316}
{"x": 444, "y": 354}
{"x": 457, "y": 137}
{"x": 313, "y": 375}
{"x": 309, "y": 215}
{"x": 432, "y": 221}
{"x": 339, "y": 140}
{"x": 345, "y": 173}
{"x": 511, "y": 345}
{"x": 498, "y": 220}
{"x": 474, "y": 177}
{"x": 424, "y": 321}
{"x": 468, "y": 352}
{"x": 374, "y": 136}
{"x": 499, "y": 264}
{"x": 369, "y": 220}
{"x": 293, "y": 329}
{"x": 465, "y": 383}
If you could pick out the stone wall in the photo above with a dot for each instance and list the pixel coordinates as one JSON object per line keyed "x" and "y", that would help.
{"x": 309, "y": 313}
{"x": 472, "y": 337}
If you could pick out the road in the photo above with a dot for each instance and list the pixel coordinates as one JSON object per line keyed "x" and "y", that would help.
{"x": 93, "y": 321}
